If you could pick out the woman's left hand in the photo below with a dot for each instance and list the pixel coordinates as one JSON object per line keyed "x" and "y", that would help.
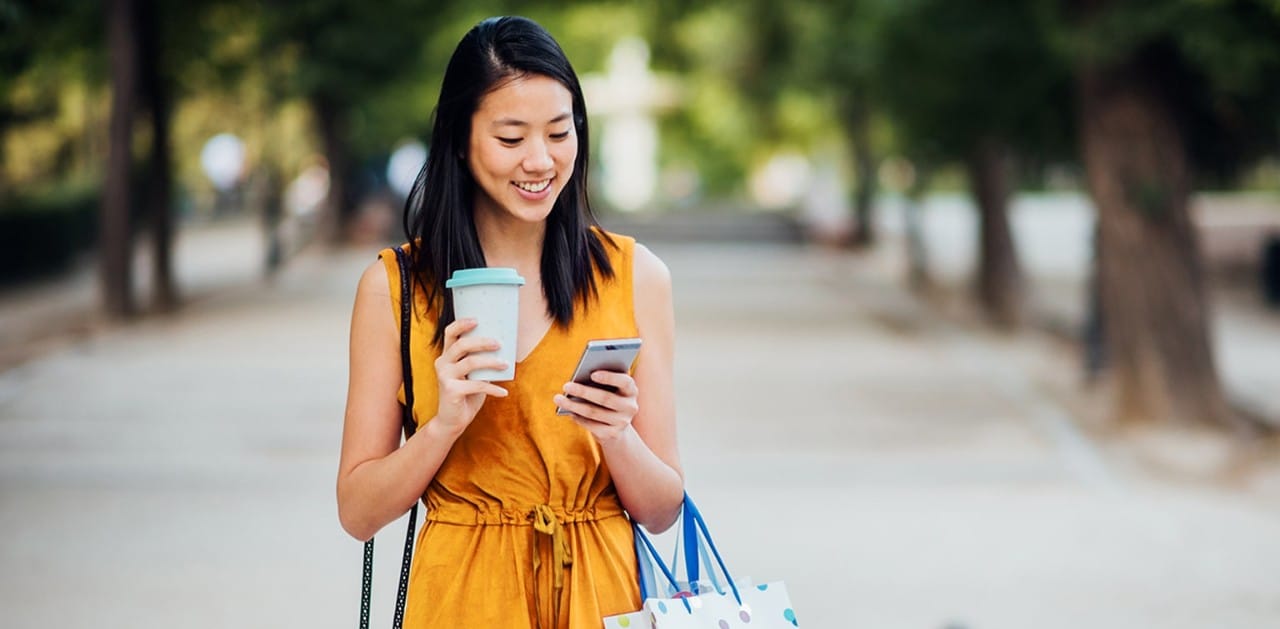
{"x": 606, "y": 414}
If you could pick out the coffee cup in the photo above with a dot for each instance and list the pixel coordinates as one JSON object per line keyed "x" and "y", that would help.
{"x": 491, "y": 296}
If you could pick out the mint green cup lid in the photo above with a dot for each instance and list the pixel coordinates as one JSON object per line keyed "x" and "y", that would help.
{"x": 489, "y": 275}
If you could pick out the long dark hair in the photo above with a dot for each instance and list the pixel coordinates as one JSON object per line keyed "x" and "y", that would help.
{"x": 438, "y": 217}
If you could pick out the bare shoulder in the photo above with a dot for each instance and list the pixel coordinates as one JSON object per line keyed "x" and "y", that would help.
{"x": 374, "y": 280}
{"x": 374, "y": 310}
{"x": 650, "y": 271}
{"x": 651, "y": 283}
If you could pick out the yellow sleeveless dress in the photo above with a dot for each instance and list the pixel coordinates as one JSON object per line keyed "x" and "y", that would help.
{"x": 524, "y": 529}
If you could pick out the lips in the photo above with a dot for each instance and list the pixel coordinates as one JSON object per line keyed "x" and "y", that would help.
{"x": 533, "y": 187}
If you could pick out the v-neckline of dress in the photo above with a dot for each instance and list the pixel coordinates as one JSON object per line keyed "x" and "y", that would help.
{"x": 541, "y": 341}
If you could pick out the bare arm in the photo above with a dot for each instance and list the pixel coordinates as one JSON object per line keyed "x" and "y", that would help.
{"x": 636, "y": 428}
{"x": 378, "y": 480}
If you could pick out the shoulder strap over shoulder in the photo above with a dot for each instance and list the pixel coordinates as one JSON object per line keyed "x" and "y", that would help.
{"x": 406, "y": 322}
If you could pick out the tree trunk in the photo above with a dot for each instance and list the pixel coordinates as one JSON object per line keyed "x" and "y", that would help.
{"x": 919, "y": 279}
{"x": 339, "y": 206}
{"x": 156, "y": 95}
{"x": 1151, "y": 285}
{"x": 858, "y": 118}
{"x": 115, "y": 240}
{"x": 272, "y": 216}
{"x": 999, "y": 278}
{"x": 1093, "y": 338}
{"x": 5, "y": 115}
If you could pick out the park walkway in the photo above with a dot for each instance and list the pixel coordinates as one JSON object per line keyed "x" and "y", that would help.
{"x": 897, "y": 468}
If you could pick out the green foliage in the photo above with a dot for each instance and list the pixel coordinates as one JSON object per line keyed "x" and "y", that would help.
{"x": 210, "y": 46}
{"x": 47, "y": 31}
{"x": 837, "y": 44}
{"x": 588, "y": 31}
{"x": 958, "y": 72}
{"x": 714, "y": 131}
{"x": 42, "y": 45}
{"x": 44, "y": 232}
{"x": 1215, "y": 62}
{"x": 756, "y": 76}
{"x": 50, "y": 64}
{"x": 342, "y": 50}
{"x": 746, "y": 93}
{"x": 15, "y": 49}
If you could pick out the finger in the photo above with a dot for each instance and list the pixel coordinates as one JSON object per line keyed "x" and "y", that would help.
{"x": 475, "y": 362}
{"x": 587, "y": 423}
{"x": 455, "y": 330}
{"x": 567, "y": 405}
{"x": 623, "y": 383}
{"x": 594, "y": 395}
{"x": 490, "y": 389}
{"x": 585, "y": 410}
{"x": 477, "y": 387}
{"x": 467, "y": 346}
{"x": 472, "y": 345}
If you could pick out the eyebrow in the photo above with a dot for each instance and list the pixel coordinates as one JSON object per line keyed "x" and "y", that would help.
{"x": 512, "y": 122}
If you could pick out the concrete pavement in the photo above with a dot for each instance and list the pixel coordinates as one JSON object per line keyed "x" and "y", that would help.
{"x": 896, "y": 468}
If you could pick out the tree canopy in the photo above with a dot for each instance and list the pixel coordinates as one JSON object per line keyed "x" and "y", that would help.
{"x": 757, "y": 76}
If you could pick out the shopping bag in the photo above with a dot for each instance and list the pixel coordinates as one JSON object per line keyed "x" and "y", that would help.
{"x": 669, "y": 603}
{"x": 650, "y": 587}
{"x": 766, "y": 606}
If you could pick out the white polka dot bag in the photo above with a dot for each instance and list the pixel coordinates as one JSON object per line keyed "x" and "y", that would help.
{"x": 699, "y": 603}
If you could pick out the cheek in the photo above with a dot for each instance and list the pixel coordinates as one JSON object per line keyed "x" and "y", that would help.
{"x": 475, "y": 154}
{"x": 567, "y": 153}
{"x": 487, "y": 164}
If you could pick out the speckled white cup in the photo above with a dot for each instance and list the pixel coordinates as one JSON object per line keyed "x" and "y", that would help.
{"x": 491, "y": 296}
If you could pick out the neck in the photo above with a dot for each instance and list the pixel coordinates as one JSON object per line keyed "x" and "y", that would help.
{"x": 510, "y": 243}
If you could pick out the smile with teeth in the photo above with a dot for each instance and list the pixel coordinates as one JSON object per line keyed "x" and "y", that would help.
{"x": 533, "y": 186}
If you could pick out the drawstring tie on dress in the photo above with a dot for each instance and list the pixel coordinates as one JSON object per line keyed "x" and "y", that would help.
{"x": 545, "y": 522}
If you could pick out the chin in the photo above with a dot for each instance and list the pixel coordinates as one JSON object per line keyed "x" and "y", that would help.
{"x": 534, "y": 213}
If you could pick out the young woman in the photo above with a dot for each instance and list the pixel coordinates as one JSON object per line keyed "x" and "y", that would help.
{"x": 527, "y": 511}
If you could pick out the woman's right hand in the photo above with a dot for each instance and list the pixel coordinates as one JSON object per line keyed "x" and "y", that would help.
{"x": 461, "y": 399}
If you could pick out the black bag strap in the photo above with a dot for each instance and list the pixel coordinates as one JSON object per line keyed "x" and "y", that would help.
{"x": 366, "y": 588}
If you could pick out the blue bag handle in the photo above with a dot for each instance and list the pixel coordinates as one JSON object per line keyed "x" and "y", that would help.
{"x": 644, "y": 565}
{"x": 647, "y": 554}
{"x": 694, "y": 529}
{"x": 703, "y": 554}
{"x": 693, "y": 525}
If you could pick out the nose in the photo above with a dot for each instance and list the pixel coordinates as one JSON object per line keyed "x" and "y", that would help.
{"x": 538, "y": 159}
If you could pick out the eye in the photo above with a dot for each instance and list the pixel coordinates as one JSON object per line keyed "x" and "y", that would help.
{"x": 559, "y": 136}
{"x": 510, "y": 141}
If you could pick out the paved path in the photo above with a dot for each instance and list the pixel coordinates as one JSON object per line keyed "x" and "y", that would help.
{"x": 897, "y": 469}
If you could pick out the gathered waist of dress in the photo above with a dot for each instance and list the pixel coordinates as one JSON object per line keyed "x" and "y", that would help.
{"x": 472, "y": 515}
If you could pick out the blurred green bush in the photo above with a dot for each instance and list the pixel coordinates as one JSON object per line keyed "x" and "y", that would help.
{"x": 43, "y": 232}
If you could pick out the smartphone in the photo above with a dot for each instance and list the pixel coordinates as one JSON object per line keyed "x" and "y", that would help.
{"x": 607, "y": 355}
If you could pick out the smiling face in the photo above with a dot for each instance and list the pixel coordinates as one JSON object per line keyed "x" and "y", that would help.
{"x": 522, "y": 148}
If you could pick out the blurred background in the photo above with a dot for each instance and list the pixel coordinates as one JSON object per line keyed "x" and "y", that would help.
{"x": 978, "y": 301}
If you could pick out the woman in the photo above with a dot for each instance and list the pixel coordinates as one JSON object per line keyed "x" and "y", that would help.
{"x": 525, "y": 524}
